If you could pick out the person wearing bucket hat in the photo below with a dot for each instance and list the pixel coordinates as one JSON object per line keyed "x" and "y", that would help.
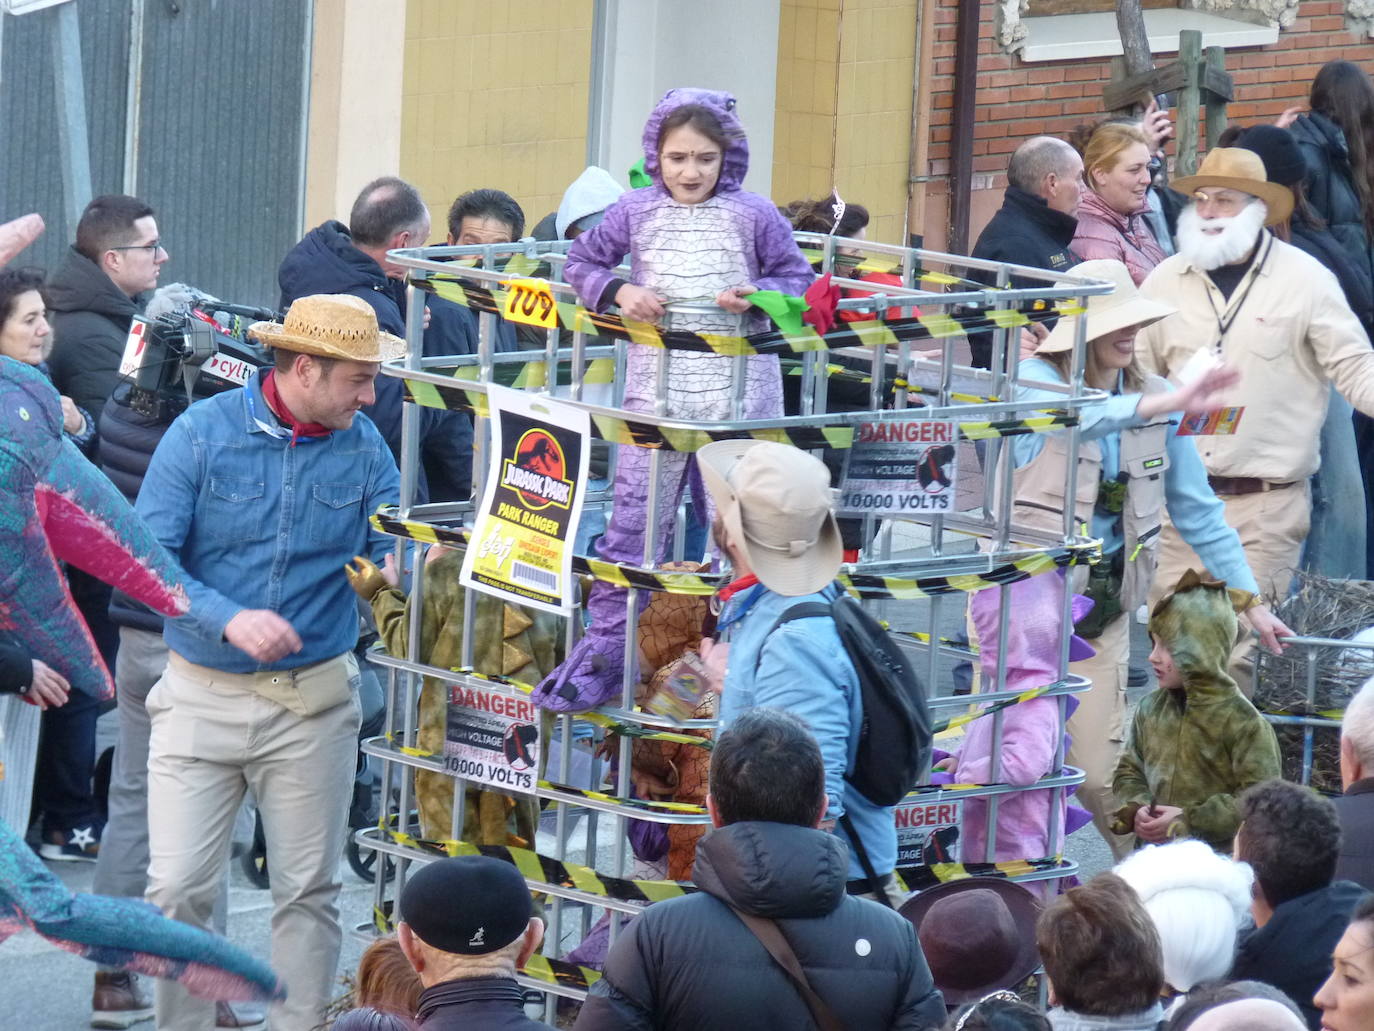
{"x": 1133, "y": 469}
{"x": 978, "y": 935}
{"x": 262, "y": 495}
{"x": 775, "y": 522}
{"x": 1279, "y": 317}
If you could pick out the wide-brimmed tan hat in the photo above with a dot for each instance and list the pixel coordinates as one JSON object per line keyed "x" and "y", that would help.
{"x": 333, "y": 326}
{"x": 1235, "y": 168}
{"x": 1124, "y": 306}
{"x": 775, "y": 501}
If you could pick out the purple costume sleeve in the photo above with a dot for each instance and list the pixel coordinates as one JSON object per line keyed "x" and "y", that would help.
{"x": 781, "y": 264}
{"x": 595, "y": 254}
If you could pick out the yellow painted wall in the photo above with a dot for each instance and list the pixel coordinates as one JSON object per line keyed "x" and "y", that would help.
{"x": 495, "y": 95}
{"x": 845, "y": 86}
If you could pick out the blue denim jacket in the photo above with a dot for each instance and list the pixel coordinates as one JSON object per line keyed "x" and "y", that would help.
{"x": 802, "y": 667}
{"x": 256, "y": 523}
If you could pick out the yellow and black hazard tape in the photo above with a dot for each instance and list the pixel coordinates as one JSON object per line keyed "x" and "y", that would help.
{"x": 964, "y": 719}
{"x": 534, "y": 373}
{"x": 619, "y": 430}
{"x": 919, "y": 878}
{"x": 867, "y": 333}
{"x": 1335, "y": 715}
{"x": 558, "y": 872}
{"x": 862, "y": 585}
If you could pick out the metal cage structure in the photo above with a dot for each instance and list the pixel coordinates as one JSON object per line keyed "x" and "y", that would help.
{"x": 916, "y": 570}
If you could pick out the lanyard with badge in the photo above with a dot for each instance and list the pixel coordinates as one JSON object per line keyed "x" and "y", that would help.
{"x": 1225, "y": 323}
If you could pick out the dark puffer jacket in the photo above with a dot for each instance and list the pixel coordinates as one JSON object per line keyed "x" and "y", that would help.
{"x": 127, "y": 442}
{"x": 689, "y": 963}
{"x": 326, "y": 262}
{"x": 1330, "y": 186}
{"x": 90, "y": 324}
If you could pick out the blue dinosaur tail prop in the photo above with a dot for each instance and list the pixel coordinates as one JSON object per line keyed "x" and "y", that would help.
{"x": 55, "y": 505}
{"x": 127, "y": 933}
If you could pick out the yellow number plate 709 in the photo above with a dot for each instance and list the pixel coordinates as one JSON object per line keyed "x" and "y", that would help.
{"x": 531, "y": 301}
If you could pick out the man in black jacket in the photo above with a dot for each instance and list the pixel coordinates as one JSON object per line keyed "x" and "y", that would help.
{"x": 1355, "y": 808}
{"x": 334, "y": 258}
{"x": 1290, "y": 837}
{"x": 691, "y": 963}
{"x": 467, "y": 927}
{"x": 96, "y": 291}
{"x": 1036, "y": 222}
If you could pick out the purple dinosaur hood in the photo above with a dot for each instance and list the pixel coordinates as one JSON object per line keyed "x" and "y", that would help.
{"x": 735, "y": 164}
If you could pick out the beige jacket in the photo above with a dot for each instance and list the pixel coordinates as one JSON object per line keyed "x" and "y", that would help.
{"x": 1292, "y": 333}
{"x": 1039, "y": 503}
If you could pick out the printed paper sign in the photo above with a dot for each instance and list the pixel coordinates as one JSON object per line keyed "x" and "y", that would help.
{"x": 521, "y": 547}
{"x": 900, "y": 468}
{"x": 1220, "y": 423}
{"x": 532, "y": 302}
{"x": 491, "y": 738}
{"x": 919, "y": 822}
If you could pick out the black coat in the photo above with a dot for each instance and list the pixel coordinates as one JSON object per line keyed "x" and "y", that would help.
{"x": 489, "y": 1003}
{"x": 1330, "y": 186}
{"x": 689, "y": 963}
{"x": 1025, "y": 231}
{"x": 90, "y": 325}
{"x": 16, "y": 665}
{"x": 326, "y": 262}
{"x": 1292, "y": 951}
{"x": 1356, "y": 812}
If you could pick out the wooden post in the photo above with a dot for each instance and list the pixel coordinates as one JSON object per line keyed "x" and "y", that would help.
{"x": 1189, "y": 100}
{"x": 1216, "y": 105}
{"x": 1135, "y": 42}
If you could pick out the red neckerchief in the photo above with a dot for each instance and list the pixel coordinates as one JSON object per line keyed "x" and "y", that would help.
{"x": 279, "y": 409}
{"x": 735, "y": 586}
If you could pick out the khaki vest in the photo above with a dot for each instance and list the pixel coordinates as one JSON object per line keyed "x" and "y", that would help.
{"x": 1039, "y": 502}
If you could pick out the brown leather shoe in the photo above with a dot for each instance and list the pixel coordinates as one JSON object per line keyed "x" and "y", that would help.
{"x": 119, "y": 1001}
{"x": 245, "y": 1018}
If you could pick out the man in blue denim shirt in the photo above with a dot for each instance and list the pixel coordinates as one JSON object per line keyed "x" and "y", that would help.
{"x": 263, "y": 494}
{"x": 776, "y": 523}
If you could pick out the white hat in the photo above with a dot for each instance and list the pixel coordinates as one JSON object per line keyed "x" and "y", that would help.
{"x": 775, "y": 501}
{"x": 1106, "y": 313}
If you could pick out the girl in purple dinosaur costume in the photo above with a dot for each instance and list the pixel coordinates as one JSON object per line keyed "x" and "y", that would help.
{"x": 693, "y": 234}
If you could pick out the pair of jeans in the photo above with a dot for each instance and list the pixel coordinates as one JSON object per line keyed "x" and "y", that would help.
{"x": 63, "y": 789}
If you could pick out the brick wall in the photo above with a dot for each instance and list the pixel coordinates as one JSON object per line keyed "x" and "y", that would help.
{"x": 1017, "y": 100}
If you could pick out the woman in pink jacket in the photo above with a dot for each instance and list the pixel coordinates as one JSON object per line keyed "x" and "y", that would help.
{"x": 1111, "y": 212}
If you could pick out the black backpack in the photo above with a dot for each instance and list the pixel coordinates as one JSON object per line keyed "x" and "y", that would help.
{"x": 895, "y": 740}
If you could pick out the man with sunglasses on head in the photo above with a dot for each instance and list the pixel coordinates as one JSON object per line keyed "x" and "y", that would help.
{"x": 99, "y": 287}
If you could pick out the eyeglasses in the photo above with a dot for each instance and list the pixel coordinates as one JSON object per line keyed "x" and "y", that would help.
{"x": 1001, "y": 995}
{"x": 151, "y": 248}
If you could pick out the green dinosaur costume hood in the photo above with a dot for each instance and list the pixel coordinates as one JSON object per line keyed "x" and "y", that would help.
{"x": 1197, "y": 623}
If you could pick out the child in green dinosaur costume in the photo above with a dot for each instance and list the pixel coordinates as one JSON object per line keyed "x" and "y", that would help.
{"x": 1197, "y": 742}
{"x": 508, "y": 641}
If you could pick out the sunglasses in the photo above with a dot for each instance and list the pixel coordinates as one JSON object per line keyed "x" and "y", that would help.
{"x": 1002, "y": 995}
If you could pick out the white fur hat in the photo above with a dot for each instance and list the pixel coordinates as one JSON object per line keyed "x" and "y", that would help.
{"x": 1197, "y": 900}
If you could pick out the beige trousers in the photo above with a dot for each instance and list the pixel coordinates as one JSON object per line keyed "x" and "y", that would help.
{"x": 1098, "y": 727}
{"x": 1272, "y": 526}
{"x": 214, "y": 735}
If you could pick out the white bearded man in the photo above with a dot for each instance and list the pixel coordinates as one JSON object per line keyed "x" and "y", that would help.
{"x": 1279, "y": 317}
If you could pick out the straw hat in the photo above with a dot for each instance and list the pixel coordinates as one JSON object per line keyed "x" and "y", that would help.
{"x": 1236, "y": 168}
{"x": 1106, "y": 313}
{"x": 333, "y": 326}
{"x": 775, "y": 500}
